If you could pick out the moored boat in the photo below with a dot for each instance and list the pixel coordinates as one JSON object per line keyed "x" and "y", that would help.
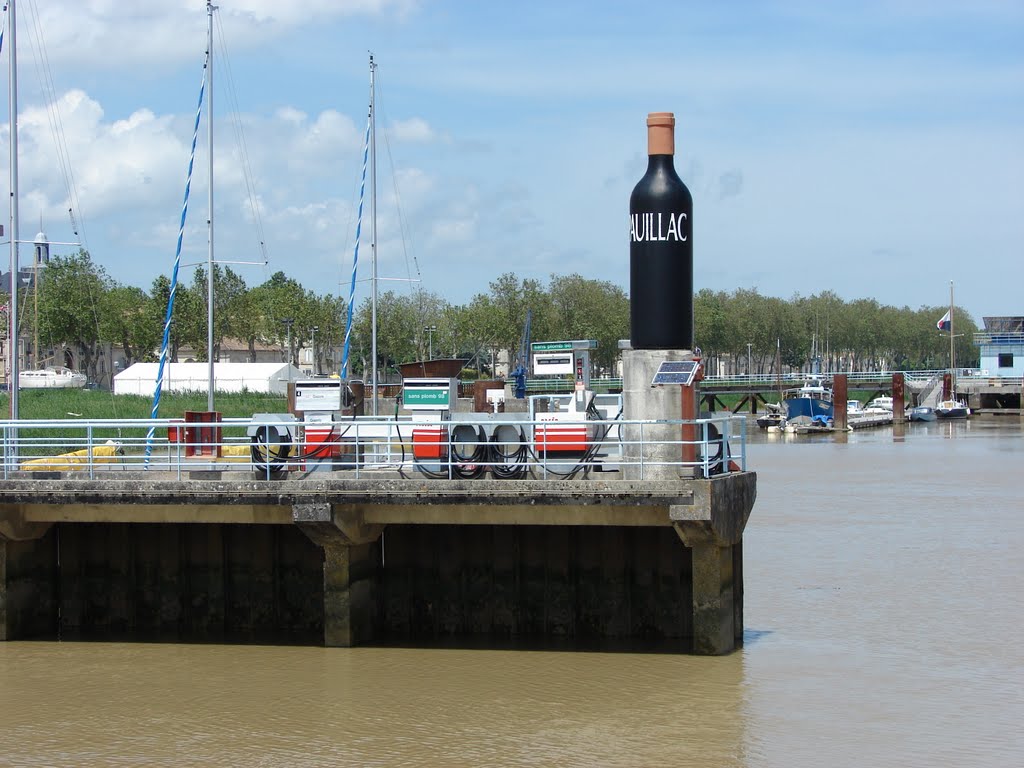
{"x": 921, "y": 413}
{"x": 51, "y": 378}
{"x": 882, "y": 403}
{"x": 810, "y": 403}
{"x": 772, "y": 417}
{"x": 952, "y": 409}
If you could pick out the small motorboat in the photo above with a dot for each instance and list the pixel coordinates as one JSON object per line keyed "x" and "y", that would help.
{"x": 880, "y": 404}
{"x": 772, "y": 417}
{"x": 921, "y": 413}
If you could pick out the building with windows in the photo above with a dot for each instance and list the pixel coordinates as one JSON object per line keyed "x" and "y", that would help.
{"x": 1002, "y": 347}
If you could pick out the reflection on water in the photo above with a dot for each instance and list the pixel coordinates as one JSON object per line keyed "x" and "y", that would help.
{"x": 883, "y": 613}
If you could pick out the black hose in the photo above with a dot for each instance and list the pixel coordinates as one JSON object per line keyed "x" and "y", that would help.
{"x": 473, "y": 466}
{"x": 715, "y": 464}
{"x": 268, "y": 456}
{"x": 508, "y": 466}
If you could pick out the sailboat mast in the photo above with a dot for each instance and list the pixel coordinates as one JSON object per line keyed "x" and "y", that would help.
{"x": 952, "y": 358}
{"x": 13, "y": 348}
{"x": 373, "y": 232}
{"x": 209, "y": 147}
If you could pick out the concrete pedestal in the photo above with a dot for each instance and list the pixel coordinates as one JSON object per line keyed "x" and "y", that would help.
{"x": 640, "y": 400}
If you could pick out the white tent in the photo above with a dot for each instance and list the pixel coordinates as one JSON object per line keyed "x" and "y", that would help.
{"x": 140, "y": 379}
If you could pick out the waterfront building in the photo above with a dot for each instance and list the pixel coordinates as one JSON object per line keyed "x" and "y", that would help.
{"x": 1002, "y": 347}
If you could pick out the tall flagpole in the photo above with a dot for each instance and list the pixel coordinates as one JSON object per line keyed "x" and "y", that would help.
{"x": 952, "y": 359}
{"x": 209, "y": 146}
{"x": 13, "y": 347}
{"x": 373, "y": 233}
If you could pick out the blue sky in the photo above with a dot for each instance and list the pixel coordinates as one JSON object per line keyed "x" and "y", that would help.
{"x": 875, "y": 149}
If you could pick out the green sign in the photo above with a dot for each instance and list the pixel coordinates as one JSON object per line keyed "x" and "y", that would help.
{"x": 551, "y": 346}
{"x": 439, "y": 396}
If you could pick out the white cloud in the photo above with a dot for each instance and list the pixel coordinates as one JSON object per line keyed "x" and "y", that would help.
{"x": 110, "y": 35}
{"x": 415, "y": 129}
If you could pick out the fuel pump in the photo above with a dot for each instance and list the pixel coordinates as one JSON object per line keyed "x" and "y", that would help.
{"x": 320, "y": 402}
{"x": 431, "y": 401}
{"x": 562, "y": 425}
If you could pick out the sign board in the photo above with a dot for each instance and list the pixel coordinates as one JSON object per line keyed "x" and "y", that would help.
{"x": 562, "y": 346}
{"x": 676, "y": 372}
{"x": 551, "y": 346}
{"x": 428, "y": 394}
{"x": 553, "y": 363}
{"x": 318, "y": 395}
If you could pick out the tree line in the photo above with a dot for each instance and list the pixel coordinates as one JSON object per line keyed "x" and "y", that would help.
{"x": 79, "y": 305}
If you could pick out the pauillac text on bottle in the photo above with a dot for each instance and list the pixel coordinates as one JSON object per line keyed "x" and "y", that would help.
{"x": 661, "y": 247}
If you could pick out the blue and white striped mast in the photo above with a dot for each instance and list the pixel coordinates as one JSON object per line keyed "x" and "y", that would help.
{"x": 355, "y": 258}
{"x": 369, "y": 149}
{"x": 154, "y": 413}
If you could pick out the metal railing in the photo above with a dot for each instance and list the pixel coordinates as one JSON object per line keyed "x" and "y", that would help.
{"x": 494, "y": 447}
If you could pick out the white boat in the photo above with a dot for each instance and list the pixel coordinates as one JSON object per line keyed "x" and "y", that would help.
{"x": 875, "y": 414}
{"x": 883, "y": 403}
{"x": 51, "y": 378}
{"x": 952, "y": 409}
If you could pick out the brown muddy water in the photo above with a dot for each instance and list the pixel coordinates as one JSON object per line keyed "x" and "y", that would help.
{"x": 884, "y": 616}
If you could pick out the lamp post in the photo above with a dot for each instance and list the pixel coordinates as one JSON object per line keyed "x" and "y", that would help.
{"x": 430, "y": 329}
{"x": 288, "y": 322}
{"x": 748, "y": 357}
{"x": 316, "y": 363}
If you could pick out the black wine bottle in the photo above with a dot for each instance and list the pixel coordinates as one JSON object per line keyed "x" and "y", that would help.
{"x": 661, "y": 247}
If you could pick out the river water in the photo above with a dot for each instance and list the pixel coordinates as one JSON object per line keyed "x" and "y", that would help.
{"x": 884, "y": 617}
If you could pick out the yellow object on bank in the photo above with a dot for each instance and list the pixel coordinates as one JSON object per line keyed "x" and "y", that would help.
{"x": 77, "y": 460}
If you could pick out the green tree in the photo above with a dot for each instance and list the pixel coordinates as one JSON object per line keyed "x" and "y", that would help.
{"x": 124, "y": 321}
{"x": 584, "y": 309}
{"x": 70, "y": 291}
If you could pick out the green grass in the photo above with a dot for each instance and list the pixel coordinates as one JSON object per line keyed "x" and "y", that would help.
{"x": 81, "y": 404}
{"x": 78, "y": 405}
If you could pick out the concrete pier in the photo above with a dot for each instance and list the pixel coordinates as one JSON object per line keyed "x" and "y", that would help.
{"x": 351, "y": 562}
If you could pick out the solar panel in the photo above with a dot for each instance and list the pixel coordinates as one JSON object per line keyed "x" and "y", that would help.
{"x": 675, "y": 372}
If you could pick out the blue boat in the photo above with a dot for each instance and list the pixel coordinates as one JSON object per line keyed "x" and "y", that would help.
{"x": 922, "y": 413}
{"x": 810, "y": 403}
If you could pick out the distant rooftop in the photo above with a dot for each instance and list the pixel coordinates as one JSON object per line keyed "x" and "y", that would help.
{"x": 1012, "y": 324}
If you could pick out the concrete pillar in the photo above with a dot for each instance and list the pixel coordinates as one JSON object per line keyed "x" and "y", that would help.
{"x": 713, "y": 530}
{"x": 713, "y": 609}
{"x": 351, "y": 563}
{"x": 642, "y": 401}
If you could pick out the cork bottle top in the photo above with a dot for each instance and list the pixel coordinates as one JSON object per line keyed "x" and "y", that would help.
{"x": 661, "y": 129}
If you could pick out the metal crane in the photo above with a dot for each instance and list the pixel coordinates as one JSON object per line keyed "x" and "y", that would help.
{"x": 523, "y": 360}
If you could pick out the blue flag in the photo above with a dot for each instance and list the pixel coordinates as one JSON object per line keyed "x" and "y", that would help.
{"x": 945, "y": 323}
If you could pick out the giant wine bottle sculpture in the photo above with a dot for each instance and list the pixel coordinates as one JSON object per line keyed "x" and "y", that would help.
{"x": 661, "y": 247}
